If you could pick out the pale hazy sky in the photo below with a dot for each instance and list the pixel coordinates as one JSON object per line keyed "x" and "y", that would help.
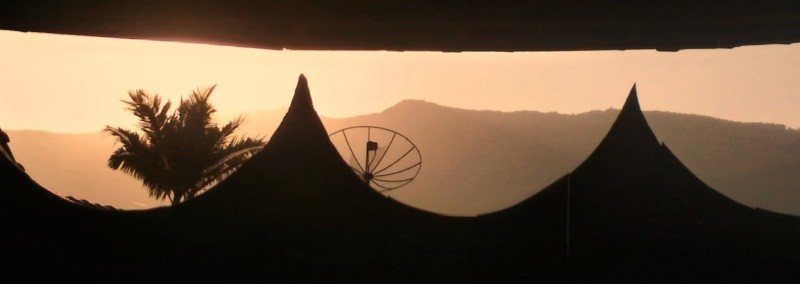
{"x": 74, "y": 84}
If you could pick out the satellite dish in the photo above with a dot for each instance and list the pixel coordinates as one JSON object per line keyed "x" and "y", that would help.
{"x": 383, "y": 158}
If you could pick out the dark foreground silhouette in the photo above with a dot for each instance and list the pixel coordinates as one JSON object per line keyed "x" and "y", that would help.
{"x": 5, "y": 151}
{"x": 295, "y": 211}
{"x": 419, "y": 25}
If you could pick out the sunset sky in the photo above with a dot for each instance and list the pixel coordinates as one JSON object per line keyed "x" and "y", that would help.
{"x": 64, "y": 83}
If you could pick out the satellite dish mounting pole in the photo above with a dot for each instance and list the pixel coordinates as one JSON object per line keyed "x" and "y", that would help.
{"x": 569, "y": 185}
{"x": 371, "y": 147}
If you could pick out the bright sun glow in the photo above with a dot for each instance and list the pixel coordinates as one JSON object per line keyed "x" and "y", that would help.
{"x": 74, "y": 84}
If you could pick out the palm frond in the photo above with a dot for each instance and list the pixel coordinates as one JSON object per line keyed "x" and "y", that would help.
{"x": 230, "y": 158}
{"x": 181, "y": 153}
{"x": 227, "y": 131}
{"x": 152, "y": 116}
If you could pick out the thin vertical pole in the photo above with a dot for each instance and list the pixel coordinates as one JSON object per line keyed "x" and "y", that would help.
{"x": 569, "y": 189}
{"x": 366, "y": 161}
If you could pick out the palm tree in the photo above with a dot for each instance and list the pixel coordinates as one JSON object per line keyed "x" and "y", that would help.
{"x": 180, "y": 154}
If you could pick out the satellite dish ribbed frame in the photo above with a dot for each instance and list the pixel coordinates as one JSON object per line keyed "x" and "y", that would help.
{"x": 375, "y": 177}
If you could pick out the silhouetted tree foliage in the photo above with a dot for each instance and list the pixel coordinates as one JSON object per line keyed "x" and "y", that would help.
{"x": 179, "y": 154}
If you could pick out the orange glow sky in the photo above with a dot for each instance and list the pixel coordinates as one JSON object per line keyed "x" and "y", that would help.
{"x": 74, "y": 84}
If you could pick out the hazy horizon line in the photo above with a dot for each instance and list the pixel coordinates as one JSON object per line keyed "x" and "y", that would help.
{"x": 222, "y": 116}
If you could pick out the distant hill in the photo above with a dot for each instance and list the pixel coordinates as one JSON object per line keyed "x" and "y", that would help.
{"x": 476, "y": 161}
{"x": 75, "y": 165}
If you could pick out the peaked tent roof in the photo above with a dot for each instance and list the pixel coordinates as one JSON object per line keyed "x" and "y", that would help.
{"x": 296, "y": 210}
{"x": 636, "y": 212}
{"x": 298, "y": 168}
{"x": 299, "y": 194}
{"x": 294, "y": 204}
{"x": 510, "y": 25}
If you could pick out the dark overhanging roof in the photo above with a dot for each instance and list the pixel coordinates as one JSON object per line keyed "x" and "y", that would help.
{"x": 421, "y": 25}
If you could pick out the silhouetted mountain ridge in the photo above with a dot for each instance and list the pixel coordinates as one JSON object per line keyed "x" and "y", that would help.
{"x": 478, "y": 161}
{"x": 630, "y": 212}
{"x": 520, "y": 152}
